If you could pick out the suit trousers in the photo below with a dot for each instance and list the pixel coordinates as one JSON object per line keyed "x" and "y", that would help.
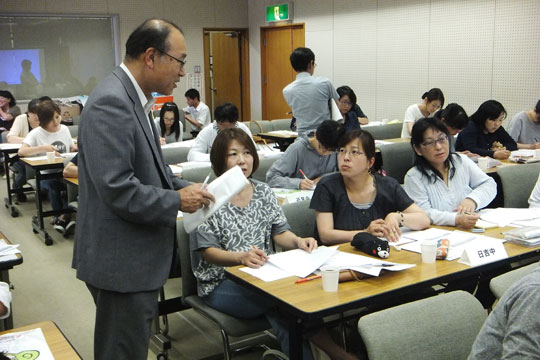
{"x": 123, "y": 323}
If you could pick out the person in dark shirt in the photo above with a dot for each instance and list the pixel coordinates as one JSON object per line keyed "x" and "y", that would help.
{"x": 355, "y": 200}
{"x": 484, "y": 134}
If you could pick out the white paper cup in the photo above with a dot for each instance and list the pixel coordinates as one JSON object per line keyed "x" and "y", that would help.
{"x": 50, "y": 156}
{"x": 429, "y": 251}
{"x": 483, "y": 163}
{"x": 330, "y": 278}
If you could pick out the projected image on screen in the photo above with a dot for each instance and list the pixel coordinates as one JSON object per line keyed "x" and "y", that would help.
{"x": 20, "y": 67}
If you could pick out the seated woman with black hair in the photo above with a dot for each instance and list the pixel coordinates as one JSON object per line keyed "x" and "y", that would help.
{"x": 449, "y": 187}
{"x": 355, "y": 200}
{"x": 432, "y": 101}
{"x": 485, "y": 135}
{"x": 347, "y": 106}
{"x": 241, "y": 233}
{"x": 169, "y": 127}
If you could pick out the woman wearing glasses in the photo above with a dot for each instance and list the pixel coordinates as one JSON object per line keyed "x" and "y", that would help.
{"x": 350, "y": 111}
{"x": 449, "y": 187}
{"x": 169, "y": 127}
{"x": 355, "y": 200}
{"x": 484, "y": 135}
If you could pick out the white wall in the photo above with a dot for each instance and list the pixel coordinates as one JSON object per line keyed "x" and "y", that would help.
{"x": 191, "y": 16}
{"x": 388, "y": 51}
{"x": 391, "y": 51}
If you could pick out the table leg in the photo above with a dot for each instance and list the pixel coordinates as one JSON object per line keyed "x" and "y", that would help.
{"x": 295, "y": 338}
{"x": 38, "y": 225}
{"x": 9, "y": 201}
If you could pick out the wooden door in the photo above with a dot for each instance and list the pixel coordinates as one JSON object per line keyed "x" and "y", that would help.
{"x": 225, "y": 70}
{"x": 277, "y": 43}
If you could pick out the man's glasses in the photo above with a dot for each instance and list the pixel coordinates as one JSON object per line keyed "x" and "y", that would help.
{"x": 431, "y": 143}
{"x": 182, "y": 63}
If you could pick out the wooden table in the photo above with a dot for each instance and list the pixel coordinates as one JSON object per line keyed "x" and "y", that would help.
{"x": 301, "y": 302}
{"x": 283, "y": 140}
{"x": 72, "y": 180}
{"x": 38, "y": 226}
{"x": 60, "y": 347}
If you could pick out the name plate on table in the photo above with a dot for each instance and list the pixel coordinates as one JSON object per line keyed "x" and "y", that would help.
{"x": 480, "y": 253}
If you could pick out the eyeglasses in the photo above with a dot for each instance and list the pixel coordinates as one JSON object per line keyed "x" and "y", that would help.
{"x": 348, "y": 103}
{"x": 182, "y": 63}
{"x": 431, "y": 143}
{"x": 353, "y": 153}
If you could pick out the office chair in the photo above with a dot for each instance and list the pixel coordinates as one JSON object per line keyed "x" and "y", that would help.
{"x": 228, "y": 325}
{"x": 498, "y": 285}
{"x": 517, "y": 183}
{"x": 440, "y": 327}
{"x": 397, "y": 159}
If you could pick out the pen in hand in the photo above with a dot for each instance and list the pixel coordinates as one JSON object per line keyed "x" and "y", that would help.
{"x": 205, "y": 183}
{"x": 304, "y": 175}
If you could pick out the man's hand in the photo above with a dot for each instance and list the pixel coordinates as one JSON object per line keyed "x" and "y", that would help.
{"x": 193, "y": 197}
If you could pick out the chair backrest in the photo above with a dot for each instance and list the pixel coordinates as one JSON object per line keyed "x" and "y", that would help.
{"x": 264, "y": 165}
{"x": 439, "y": 327}
{"x": 397, "y": 159}
{"x": 498, "y": 285}
{"x": 73, "y": 130}
{"x": 175, "y": 155}
{"x": 517, "y": 184}
{"x": 198, "y": 174}
{"x": 301, "y": 218}
{"x": 386, "y": 131}
{"x": 189, "y": 282}
{"x": 281, "y": 124}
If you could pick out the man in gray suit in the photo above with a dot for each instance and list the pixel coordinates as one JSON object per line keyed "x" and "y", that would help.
{"x": 128, "y": 197}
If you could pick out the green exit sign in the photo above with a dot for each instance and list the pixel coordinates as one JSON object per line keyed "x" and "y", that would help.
{"x": 277, "y": 12}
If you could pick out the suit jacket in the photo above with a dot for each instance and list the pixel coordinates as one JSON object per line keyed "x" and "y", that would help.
{"x": 127, "y": 204}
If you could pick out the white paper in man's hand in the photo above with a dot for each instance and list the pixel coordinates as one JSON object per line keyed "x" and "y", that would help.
{"x": 224, "y": 188}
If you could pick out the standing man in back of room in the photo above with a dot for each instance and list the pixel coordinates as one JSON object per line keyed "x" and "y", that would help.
{"x": 197, "y": 112}
{"x": 128, "y": 196}
{"x": 308, "y": 96}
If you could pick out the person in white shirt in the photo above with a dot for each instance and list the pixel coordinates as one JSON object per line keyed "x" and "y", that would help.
{"x": 51, "y": 136}
{"x": 534, "y": 199}
{"x": 197, "y": 112}
{"x": 226, "y": 116}
{"x": 5, "y": 300}
{"x": 432, "y": 101}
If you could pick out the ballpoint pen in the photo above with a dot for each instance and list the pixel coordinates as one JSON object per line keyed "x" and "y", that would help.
{"x": 377, "y": 265}
{"x": 309, "y": 278}
{"x": 304, "y": 175}
{"x": 206, "y": 181}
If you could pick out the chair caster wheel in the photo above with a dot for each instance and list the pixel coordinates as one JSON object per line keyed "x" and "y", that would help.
{"x": 48, "y": 240}
{"x": 162, "y": 356}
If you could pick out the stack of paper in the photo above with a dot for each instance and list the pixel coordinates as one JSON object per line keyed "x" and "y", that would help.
{"x": 527, "y": 236}
{"x": 292, "y": 263}
{"x": 508, "y": 216}
{"x": 301, "y": 263}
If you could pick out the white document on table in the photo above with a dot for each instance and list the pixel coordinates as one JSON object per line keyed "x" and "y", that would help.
{"x": 291, "y": 263}
{"x": 364, "y": 264}
{"x": 301, "y": 263}
{"x": 267, "y": 272}
{"x": 224, "y": 188}
{"x": 428, "y": 234}
{"x": 29, "y": 344}
{"x": 505, "y": 216}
